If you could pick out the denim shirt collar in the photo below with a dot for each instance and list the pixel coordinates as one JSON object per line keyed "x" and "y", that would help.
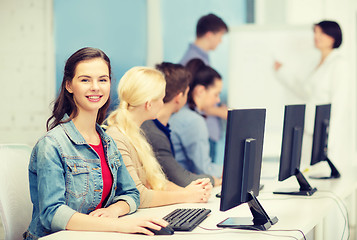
{"x": 75, "y": 136}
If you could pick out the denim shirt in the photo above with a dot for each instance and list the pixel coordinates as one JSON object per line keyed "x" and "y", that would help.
{"x": 65, "y": 177}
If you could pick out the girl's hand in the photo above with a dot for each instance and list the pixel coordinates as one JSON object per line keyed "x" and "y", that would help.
{"x": 140, "y": 225}
{"x": 104, "y": 212}
{"x": 115, "y": 210}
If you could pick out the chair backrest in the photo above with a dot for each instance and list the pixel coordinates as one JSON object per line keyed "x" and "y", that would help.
{"x": 15, "y": 202}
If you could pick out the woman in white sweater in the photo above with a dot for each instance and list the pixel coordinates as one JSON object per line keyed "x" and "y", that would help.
{"x": 326, "y": 83}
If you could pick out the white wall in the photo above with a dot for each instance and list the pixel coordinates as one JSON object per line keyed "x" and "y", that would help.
{"x": 27, "y": 69}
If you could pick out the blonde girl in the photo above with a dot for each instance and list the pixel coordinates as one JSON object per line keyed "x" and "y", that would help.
{"x": 141, "y": 91}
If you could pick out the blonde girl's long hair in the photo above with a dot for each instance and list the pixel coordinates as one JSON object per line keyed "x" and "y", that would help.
{"x": 136, "y": 87}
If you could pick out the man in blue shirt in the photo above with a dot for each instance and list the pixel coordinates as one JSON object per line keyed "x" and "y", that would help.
{"x": 209, "y": 32}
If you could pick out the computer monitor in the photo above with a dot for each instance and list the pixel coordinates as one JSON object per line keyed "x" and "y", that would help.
{"x": 290, "y": 157}
{"x": 241, "y": 169}
{"x": 320, "y": 140}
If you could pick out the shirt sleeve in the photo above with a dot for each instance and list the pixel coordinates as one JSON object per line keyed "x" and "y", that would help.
{"x": 145, "y": 193}
{"x": 173, "y": 170}
{"x": 295, "y": 77}
{"x": 341, "y": 117}
{"x": 194, "y": 140}
{"x": 46, "y": 164}
{"x": 290, "y": 81}
{"x": 126, "y": 189}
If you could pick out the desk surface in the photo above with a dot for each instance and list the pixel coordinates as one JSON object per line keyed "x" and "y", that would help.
{"x": 293, "y": 212}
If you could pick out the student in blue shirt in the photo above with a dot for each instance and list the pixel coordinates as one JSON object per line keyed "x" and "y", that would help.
{"x": 209, "y": 32}
{"x": 77, "y": 177}
{"x": 189, "y": 130}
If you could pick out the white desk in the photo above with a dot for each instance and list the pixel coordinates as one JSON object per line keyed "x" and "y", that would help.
{"x": 304, "y": 213}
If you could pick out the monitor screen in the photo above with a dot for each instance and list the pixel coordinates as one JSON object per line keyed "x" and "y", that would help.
{"x": 291, "y": 145}
{"x": 320, "y": 140}
{"x": 320, "y": 137}
{"x": 242, "y": 126}
{"x": 290, "y": 157}
{"x": 242, "y": 166}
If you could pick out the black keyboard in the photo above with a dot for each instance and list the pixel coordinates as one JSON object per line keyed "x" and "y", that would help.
{"x": 186, "y": 219}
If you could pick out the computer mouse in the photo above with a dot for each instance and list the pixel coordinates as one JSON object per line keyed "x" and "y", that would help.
{"x": 163, "y": 231}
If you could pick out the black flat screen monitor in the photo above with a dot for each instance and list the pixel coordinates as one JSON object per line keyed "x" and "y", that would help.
{"x": 241, "y": 169}
{"x": 320, "y": 140}
{"x": 290, "y": 157}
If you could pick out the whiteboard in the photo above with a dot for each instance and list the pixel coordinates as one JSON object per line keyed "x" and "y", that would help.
{"x": 252, "y": 78}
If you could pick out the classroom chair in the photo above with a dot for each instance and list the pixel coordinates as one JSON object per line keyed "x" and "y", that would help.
{"x": 15, "y": 203}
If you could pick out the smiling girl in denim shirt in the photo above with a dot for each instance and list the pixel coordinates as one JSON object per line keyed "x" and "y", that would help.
{"x": 78, "y": 180}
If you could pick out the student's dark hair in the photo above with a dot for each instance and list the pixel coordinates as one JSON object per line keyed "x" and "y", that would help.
{"x": 65, "y": 102}
{"x": 210, "y": 23}
{"x": 177, "y": 79}
{"x": 201, "y": 75}
{"x": 332, "y": 29}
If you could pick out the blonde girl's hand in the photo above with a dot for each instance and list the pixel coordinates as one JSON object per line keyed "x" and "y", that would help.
{"x": 207, "y": 187}
{"x": 217, "y": 181}
{"x": 204, "y": 182}
{"x": 140, "y": 225}
{"x": 199, "y": 190}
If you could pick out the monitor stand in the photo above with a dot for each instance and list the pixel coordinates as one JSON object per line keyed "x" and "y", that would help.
{"x": 261, "y": 220}
{"x": 334, "y": 172}
{"x": 305, "y": 187}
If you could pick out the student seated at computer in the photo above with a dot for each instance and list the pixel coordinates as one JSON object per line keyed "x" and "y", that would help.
{"x": 157, "y": 131}
{"x": 78, "y": 180}
{"x": 189, "y": 130}
{"x": 141, "y": 91}
{"x": 210, "y": 30}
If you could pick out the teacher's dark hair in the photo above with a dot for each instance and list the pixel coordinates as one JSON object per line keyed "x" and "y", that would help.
{"x": 65, "y": 102}
{"x": 332, "y": 29}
